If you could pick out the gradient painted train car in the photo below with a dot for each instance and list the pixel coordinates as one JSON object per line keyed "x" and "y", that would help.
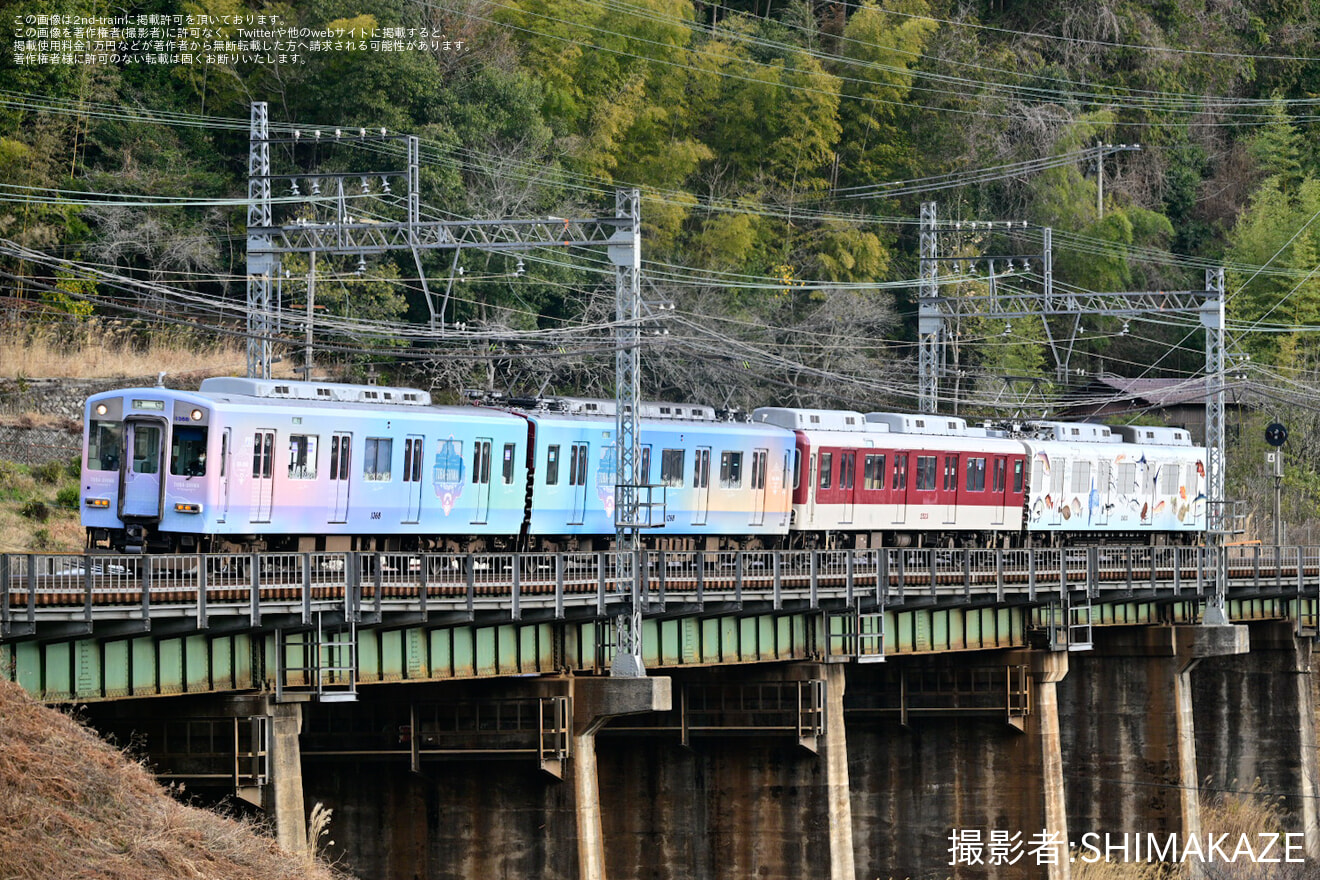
{"x": 709, "y": 484}
{"x": 297, "y": 465}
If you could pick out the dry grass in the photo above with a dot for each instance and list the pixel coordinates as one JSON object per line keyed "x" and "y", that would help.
{"x": 112, "y": 349}
{"x": 1248, "y": 814}
{"x": 72, "y": 806}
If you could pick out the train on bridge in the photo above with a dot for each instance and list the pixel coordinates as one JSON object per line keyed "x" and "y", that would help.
{"x": 268, "y": 465}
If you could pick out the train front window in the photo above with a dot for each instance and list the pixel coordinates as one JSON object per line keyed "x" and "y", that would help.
{"x": 188, "y": 452}
{"x": 146, "y": 449}
{"x": 104, "y": 440}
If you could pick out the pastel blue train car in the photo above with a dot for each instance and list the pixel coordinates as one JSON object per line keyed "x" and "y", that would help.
{"x": 707, "y": 483}
{"x": 260, "y": 464}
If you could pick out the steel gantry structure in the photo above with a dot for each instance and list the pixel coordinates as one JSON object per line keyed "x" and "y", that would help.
{"x": 619, "y": 235}
{"x": 1207, "y": 306}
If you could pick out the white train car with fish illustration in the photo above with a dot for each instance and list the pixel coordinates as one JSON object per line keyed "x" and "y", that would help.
{"x": 1090, "y": 479}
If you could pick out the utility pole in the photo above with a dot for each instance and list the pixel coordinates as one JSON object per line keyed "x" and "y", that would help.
{"x": 1101, "y": 151}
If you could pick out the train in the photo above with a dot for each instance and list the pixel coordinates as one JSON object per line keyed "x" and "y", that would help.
{"x": 248, "y": 465}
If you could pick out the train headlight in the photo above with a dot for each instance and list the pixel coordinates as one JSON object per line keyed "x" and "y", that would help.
{"x": 187, "y": 508}
{"x": 98, "y": 502}
{"x": 102, "y": 409}
{"x": 197, "y": 415}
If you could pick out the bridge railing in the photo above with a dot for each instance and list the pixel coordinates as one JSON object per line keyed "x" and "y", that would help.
{"x": 74, "y": 586}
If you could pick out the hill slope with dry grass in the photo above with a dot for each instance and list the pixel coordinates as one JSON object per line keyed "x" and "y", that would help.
{"x": 72, "y": 806}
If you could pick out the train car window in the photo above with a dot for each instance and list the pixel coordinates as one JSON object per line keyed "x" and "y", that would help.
{"x": 999, "y": 481}
{"x": 345, "y": 450}
{"x": 783, "y": 475}
{"x": 731, "y": 470}
{"x": 481, "y": 461}
{"x": 1127, "y": 478}
{"x": 146, "y": 449}
{"x": 407, "y": 460}
{"x": 263, "y": 446}
{"x": 873, "y": 472}
{"x": 573, "y": 467}
{"x": 797, "y": 468}
{"x": 1189, "y": 479}
{"x": 976, "y": 475}
{"x": 1017, "y": 476}
{"x": 1169, "y": 479}
{"x": 103, "y": 442}
{"x": 377, "y": 456}
{"x": 1056, "y": 477}
{"x": 671, "y": 467}
{"x": 552, "y": 466}
{"x": 847, "y": 470}
{"x": 581, "y": 452}
{"x": 188, "y": 452}
{"x": 826, "y": 469}
{"x": 1102, "y": 477}
{"x": 900, "y": 471}
{"x": 417, "y": 459}
{"x": 701, "y": 470}
{"x": 506, "y": 472}
{"x": 951, "y": 472}
{"x": 412, "y": 460}
{"x": 1081, "y": 481}
{"x": 302, "y": 456}
{"x": 926, "y": 468}
{"x": 224, "y": 451}
{"x": 644, "y": 475}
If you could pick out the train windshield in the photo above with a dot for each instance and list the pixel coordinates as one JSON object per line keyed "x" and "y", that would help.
{"x": 104, "y": 440}
{"x": 188, "y": 452}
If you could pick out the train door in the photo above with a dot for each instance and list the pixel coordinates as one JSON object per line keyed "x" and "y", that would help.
{"x": 226, "y": 438}
{"x": 998, "y": 489}
{"x": 847, "y": 477}
{"x": 759, "y": 457}
{"x": 141, "y": 495}
{"x": 950, "y": 486}
{"x": 811, "y": 490}
{"x": 1098, "y": 505}
{"x": 412, "y": 478}
{"x": 481, "y": 478}
{"x": 1054, "y": 501}
{"x": 577, "y": 482}
{"x": 701, "y": 485}
{"x": 341, "y": 458}
{"x": 263, "y": 475}
{"x": 899, "y": 488}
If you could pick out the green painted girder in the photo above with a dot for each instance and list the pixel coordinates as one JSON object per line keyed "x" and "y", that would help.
{"x": 142, "y": 666}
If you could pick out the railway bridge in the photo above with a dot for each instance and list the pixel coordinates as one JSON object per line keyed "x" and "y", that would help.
{"x": 856, "y": 713}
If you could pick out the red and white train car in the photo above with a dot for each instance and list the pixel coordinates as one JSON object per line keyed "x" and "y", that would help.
{"x": 894, "y": 479}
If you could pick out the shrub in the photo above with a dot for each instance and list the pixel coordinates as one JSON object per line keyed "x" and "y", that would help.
{"x": 68, "y": 497}
{"x": 36, "y": 510}
{"x": 48, "y": 473}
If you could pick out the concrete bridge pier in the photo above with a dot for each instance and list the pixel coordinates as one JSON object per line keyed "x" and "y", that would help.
{"x": 1261, "y": 723}
{"x": 595, "y": 702}
{"x": 970, "y": 746}
{"x": 282, "y": 796}
{"x": 1131, "y": 740}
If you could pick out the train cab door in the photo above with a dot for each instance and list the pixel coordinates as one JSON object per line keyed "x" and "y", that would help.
{"x": 412, "y": 478}
{"x": 341, "y": 459}
{"x": 263, "y": 475}
{"x": 898, "y": 487}
{"x": 141, "y": 493}
{"x": 481, "y": 479}
{"x": 759, "y": 458}
{"x": 226, "y": 466}
{"x": 847, "y": 479}
{"x": 577, "y": 482}
{"x": 700, "y": 485}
